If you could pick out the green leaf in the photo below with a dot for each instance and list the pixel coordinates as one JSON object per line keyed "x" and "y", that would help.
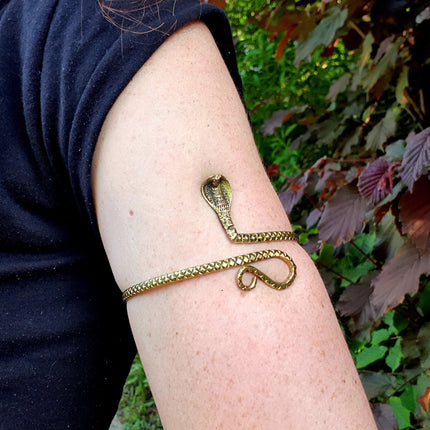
{"x": 395, "y": 355}
{"x": 400, "y": 322}
{"x": 326, "y": 255}
{"x": 402, "y": 84}
{"x": 370, "y": 355}
{"x": 402, "y": 414}
{"x": 379, "y": 134}
{"x": 380, "y": 335}
{"x": 323, "y": 34}
{"x": 424, "y": 303}
{"x": 355, "y": 272}
{"x": 389, "y": 320}
{"x": 355, "y": 345}
{"x": 365, "y": 241}
{"x": 367, "y": 113}
{"x": 409, "y": 398}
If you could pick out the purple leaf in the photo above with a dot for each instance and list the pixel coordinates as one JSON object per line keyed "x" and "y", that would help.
{"x": 338, "y": 86}
{"x": 293, "y": 194}
{"x": 398, "y": 277}
{"x": 383, "y": 48}
{"x": 416, "y": 160}
{"x": 384, "y": 417}
{"x": 298, "y": 140}
{"x": 312, "y": 245}
{"x": 376, "y": 181}
{"x": 279, "y": 117}
{"x": 415, "y": 214}
{"x": 354, "y": 299}
{"x": 343, "y": 215}
{"x": 313, "y": 217}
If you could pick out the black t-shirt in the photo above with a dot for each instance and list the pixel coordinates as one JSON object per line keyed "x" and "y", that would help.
{"x": 65, "y": 343}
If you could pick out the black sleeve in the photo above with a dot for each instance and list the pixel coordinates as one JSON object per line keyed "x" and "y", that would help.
{"x": 87, "y": 63}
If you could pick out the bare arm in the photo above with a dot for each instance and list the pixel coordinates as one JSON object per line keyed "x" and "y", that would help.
{"x": 215, "y": 356}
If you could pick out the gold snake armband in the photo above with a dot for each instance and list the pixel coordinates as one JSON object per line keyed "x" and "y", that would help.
{"x": 218, "y": 194}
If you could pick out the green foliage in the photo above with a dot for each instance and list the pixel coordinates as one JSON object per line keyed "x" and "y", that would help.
{"x": 137, "y": 409}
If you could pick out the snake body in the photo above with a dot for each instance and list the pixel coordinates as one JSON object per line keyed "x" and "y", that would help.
{"x": 218, "y": 194}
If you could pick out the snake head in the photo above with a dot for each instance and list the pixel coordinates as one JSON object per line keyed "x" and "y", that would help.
{"x": 217, "y": 192}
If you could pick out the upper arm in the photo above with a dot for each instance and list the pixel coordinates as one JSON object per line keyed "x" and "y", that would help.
{"x": 215, "y": 356}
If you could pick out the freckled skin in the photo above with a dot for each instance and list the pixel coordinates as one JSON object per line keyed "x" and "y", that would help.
{"x": 204, "y": 343}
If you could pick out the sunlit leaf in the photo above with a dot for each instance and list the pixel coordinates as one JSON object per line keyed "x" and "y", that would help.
{"x": 354, "y": 272}
{"x": 395, "y": 356}
{"x": 376, "y": 181}
{"x": 416, "y": 160}
{"x": 390, "y": 322}
{"x": 415, "y": 214}
{"x": 370, "y": 355}
{"x": 379, "y": 134}
{"x": 380, "y": 335}
{"x": 399, "y": 276}
{"x": 402, "y": 84}
{"x": 402, "y": 414}
{"x": 343, "y": 215}
{"x": 409, "y": 398}
{"x": 323, "y": 34}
